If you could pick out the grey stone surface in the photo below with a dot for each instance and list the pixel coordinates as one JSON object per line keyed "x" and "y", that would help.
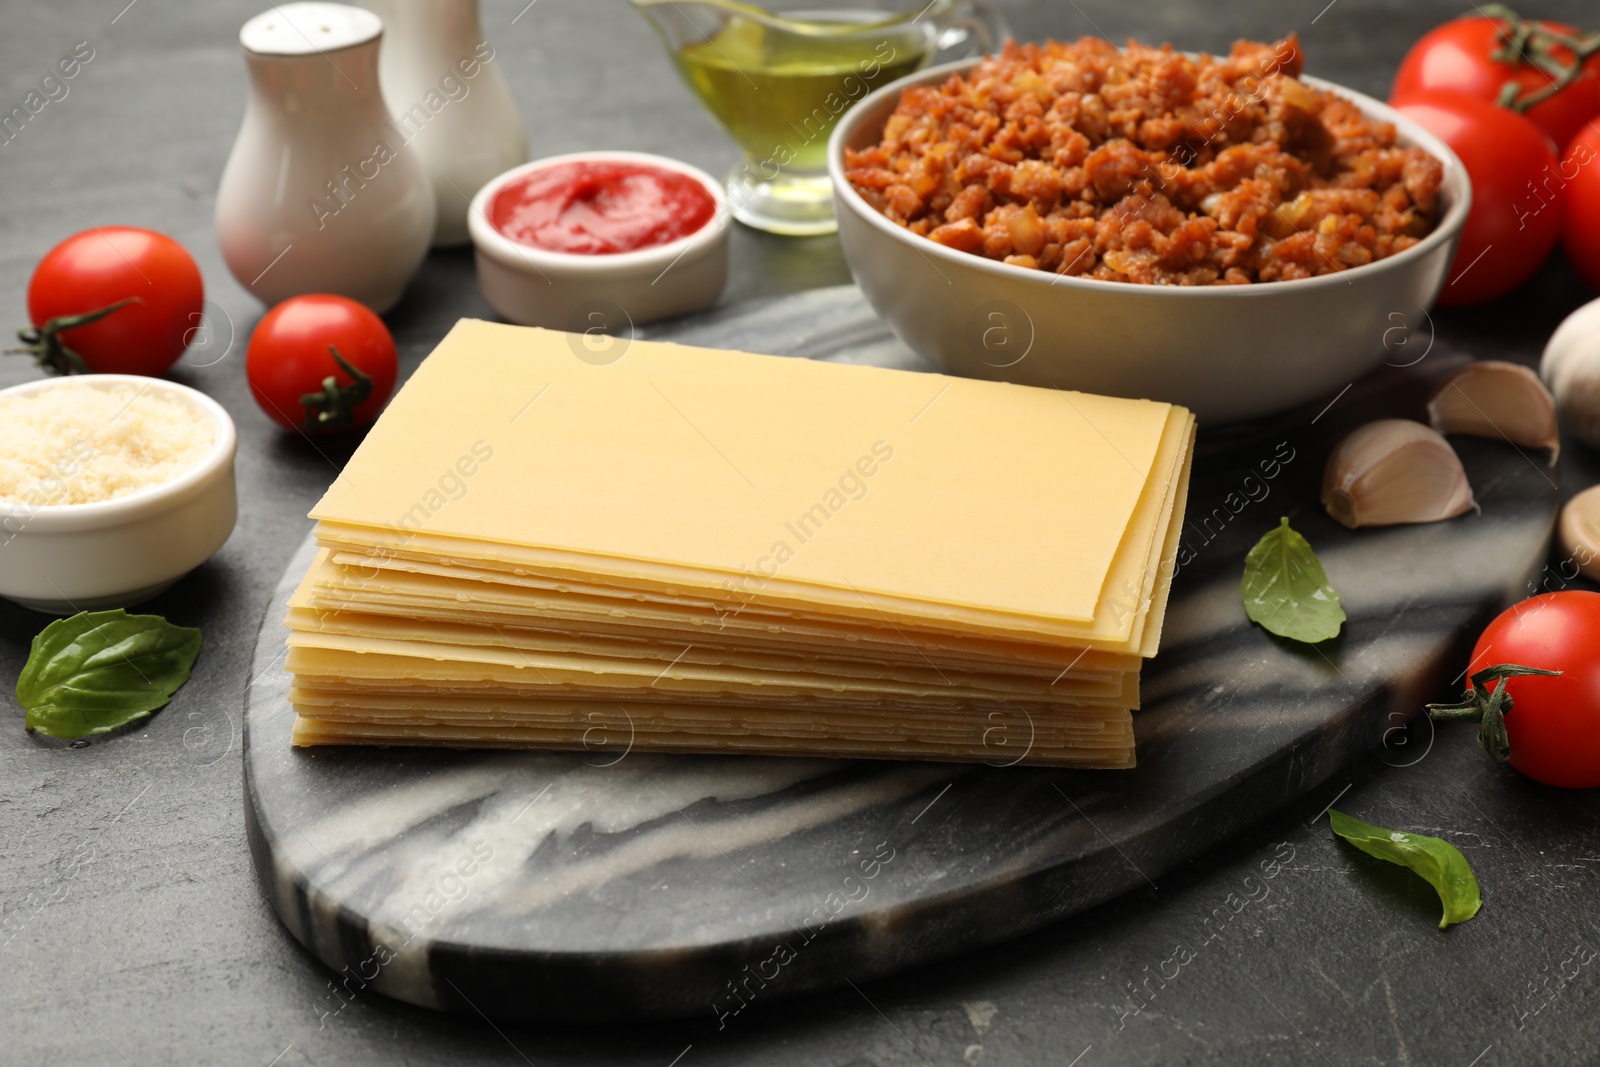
{"x": 609, "y": 884}
{"x": 131, "y": 926}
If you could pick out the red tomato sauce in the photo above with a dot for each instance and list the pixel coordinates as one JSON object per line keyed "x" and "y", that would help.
{"x": 601, "y": 207}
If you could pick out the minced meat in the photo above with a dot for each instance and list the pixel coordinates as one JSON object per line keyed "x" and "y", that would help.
{"x": 1145, "y": 165}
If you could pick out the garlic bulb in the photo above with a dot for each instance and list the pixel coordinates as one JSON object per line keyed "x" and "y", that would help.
{"x": 1493, "y": 398}
{"x": 1579, "y": 532}
{"x": 1394, "y": 471}
{"x": 1571, "y": 368}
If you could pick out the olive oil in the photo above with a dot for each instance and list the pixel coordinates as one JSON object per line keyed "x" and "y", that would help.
{"x": 780, "y": 93}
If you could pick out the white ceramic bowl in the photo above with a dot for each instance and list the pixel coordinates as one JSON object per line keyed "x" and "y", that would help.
{"x": 1226, "y": 352}
{"x": 564, "y": 291}
{"x": 66, "y": 558}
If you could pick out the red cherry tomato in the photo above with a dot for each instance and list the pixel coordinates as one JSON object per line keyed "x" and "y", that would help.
{"x": 291, "y": 355}
{"x": 1516, "y": 207}
{"x": 1554, "y": 723}
{"x": 1580, "y": 168}
{"x": 1459, "y": 56}
{"x": 97, "y": 268}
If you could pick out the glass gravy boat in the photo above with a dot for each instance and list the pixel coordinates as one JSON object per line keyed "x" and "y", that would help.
{"x": 778, "y": 80}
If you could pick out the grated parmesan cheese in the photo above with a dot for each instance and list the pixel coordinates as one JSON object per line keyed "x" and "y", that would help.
{"x": 83, "y": 441}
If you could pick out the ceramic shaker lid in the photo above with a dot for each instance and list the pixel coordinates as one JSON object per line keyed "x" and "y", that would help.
{"x": 308, "y": 29}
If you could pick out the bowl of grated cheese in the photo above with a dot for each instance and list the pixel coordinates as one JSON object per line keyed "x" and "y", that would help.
{"x": 112, "y": 487}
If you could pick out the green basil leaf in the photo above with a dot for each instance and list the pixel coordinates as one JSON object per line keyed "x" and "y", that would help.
{"x": 1439, "y": 863}
{"x": 1286, "y": 590}
{"x": 100, "y": 670}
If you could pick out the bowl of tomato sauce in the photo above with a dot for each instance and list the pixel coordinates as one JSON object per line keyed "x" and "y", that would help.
{"x": 600, "y": 240}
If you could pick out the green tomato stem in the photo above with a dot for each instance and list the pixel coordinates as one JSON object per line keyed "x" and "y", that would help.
{"x": 1528, "y": 43}
{"x": 1487, "y": 707}
{"x": 333, "y": 407}
{"x": 50, "y": 352}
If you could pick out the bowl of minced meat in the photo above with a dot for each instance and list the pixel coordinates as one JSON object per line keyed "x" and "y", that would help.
{"x": 1222, "y": 232}
{"x": 112, "y": 487}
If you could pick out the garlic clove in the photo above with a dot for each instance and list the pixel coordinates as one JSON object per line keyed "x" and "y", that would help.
{"x": 1579, "y": 532}
{"x": 1493, "y": 398}
{"x": 1394, "y": 471}
{"x": 1571, "y": 368}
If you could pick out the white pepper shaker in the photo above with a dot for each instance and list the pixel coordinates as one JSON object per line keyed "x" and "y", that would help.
{"x": 319, "y": 195}
{"x": 449, "y": 102}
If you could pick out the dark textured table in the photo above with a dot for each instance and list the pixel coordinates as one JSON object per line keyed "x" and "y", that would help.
{"x": 131, "y": 927}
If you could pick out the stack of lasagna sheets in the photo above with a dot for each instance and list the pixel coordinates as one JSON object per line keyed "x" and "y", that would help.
{"x": 687, "y": 550}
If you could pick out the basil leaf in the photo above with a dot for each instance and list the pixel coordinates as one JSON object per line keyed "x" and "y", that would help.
{"x": 1286, "y": 590}
{"x": 1439, "y": 863}
{"x": 100, "y": 670}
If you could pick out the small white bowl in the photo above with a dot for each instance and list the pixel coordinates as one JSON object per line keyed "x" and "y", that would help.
{"x": 66, "y": 558}
{"x": 566, "y": 291}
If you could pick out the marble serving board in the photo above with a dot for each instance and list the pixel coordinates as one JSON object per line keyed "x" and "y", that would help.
{"x": 611, "y": 885}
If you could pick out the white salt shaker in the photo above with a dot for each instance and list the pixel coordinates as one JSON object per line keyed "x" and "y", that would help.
{"x": 319, "y": 194}
{"x": 449, "y": 102}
